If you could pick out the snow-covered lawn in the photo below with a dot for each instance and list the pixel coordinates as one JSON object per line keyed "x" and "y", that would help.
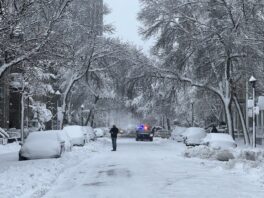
{"x": 138, "y": 169}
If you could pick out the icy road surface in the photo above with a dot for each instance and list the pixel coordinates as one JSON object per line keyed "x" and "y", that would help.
{"x": 152, "y": 170}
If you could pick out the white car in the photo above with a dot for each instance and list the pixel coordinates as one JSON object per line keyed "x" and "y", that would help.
{"x": 42, "y": 144}
{"x": 99, "y": 132}
{"x": 90, "y": 133}
{"x": 193, "y": 136}
{"x": 177, "y": 133}
{"x": 77, "y": 134}
{"x": 66, "y": 138}
{"x": 219, "y": 141}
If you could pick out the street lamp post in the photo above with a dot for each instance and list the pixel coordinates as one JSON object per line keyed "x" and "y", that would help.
{"x": 82, "y": 107}
{"x": 253, "y": 80}
{"x": 58, "y": 94}
{"x": 192, "y": 114}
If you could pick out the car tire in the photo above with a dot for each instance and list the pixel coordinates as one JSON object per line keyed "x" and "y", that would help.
{"x": 21, "y": 158}
{"x": 151, "y": 139}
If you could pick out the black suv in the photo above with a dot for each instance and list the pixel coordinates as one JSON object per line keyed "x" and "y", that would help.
{"x": 144, "y": 132}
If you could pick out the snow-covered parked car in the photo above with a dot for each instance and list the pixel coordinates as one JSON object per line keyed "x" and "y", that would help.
{"x": 90, "y": 134}
{"x": 77, "y": 134}
{"x": 42, "y": 144}
{"x": 219, "y": 141}
{"x": 99, "y": 132}
{"x": 66, "y": 138}
{"x": 177, "y": 133}
{"x": 193, "y": 136}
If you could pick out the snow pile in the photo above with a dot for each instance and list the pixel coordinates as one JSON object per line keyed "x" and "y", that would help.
{"x": 34, "y": 178}
{"x": 224, "y": 155}
{"x": 203, "y": 152}
{"x": 253, "y": 157}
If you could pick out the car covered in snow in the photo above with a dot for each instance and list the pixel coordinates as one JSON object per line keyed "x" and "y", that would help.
{"x": 99, "y": 132}
{"x": 90, "y": 134}
{"x": 193, "y": 136}
{"x": 219, "y": 141}
{"x": 161, "y": 132}
{"x": 77, "y": 134}
{"x": 66, "y": 138}
{"x": 144, "y": 132}
{"x": 42, "y": 144}
{"x": 177, "y": 133}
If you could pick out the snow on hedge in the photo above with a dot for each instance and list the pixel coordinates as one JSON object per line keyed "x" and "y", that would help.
{"x": 246, "y": 155}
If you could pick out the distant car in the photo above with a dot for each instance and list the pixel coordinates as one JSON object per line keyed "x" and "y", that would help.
{"x": 42, "y": 144}
{"x": 99, "y": 132}
{"x": 77, "y": 134}
{"x": 161, "y": 132}
{"x": 177, "y": 133}
{"x": 144, "y": 132}
{"x": 193, "y": 136}
{"x": 219, "y": 141}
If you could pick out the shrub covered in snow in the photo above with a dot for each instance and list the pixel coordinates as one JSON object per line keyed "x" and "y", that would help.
{"x": 205, "y": 152}
{"x": 224, "y": 155}
{"x": 251, "y": 155}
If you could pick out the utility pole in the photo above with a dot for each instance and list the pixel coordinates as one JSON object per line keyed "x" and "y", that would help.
{"x": 253, "y": 80}
{"x": 192, "y": 114}
{"x": 247, "y": 120}
{"x": 22, "y": 111}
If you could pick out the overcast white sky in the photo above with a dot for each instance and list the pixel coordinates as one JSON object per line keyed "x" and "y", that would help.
{"x": 124, "y": 19}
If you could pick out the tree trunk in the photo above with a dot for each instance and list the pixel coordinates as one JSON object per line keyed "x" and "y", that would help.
{"x": 242, "y": 120}
{"x": 89, "y": 117}
{"x": 92, "y": 110}
{"x": 92, "y": 121}
{"x": 228, "y": 118}
{"x": 168, "y": 124}
{"x": 22, "y": 116}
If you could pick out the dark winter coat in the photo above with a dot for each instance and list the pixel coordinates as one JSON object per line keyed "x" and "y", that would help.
{"x": 214, "y": 130}
{"x": 114, "y": 131}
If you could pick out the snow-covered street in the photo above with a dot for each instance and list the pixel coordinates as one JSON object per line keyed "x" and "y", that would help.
{"x": 137, "y": 169}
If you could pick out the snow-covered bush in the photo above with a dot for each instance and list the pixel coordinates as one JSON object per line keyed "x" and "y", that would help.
{"x": 41, "y": 114}
{"x": 224, "y": 155}
{"x": 251, "y": 155}
{"x": 203, "y": 152}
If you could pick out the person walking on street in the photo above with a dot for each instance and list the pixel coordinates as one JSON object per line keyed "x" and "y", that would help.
{"x": 114, "y": 131}
{"x": 214, "y": 129}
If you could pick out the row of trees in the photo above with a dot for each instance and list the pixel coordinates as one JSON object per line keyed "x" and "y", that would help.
{"x": 58, "y": 47}
{"x": 212, "y": 45}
